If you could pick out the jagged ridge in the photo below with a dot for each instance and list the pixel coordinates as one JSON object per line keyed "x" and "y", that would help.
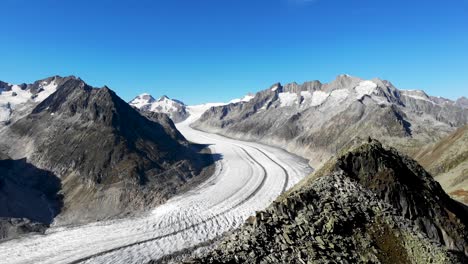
{"x": 369, "y": 205}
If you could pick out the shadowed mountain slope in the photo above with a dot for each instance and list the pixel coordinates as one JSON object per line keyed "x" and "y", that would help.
{"x": 110, "y": 159}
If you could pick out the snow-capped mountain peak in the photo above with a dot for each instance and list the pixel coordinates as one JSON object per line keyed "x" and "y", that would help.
{"x": 142, "y": 101}
{"x": 163, "y": 98}
{"x": 246, "y": 98}
{"x": 175, "y": 109}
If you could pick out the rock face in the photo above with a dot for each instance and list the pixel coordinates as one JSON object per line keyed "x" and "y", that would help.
{"x": 15, "y": 227}
{"x": 175, "y": 109}
{"x": 369, "y": 205}
{"x": 315, "y": 120}
{"x": 111, "y": 160}
{"x": 447, "y": 160}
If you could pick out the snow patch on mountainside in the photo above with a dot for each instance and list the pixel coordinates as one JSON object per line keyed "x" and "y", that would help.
{"x": 365, "y": 88}
{"x": 417, "y": 94}
{"x": 165, "y": 105}
{"x": 339, "y": 95}
{"x": 16, "y": 96}
{"x": 318, "y": 97}
{"x": 5, "y": 112}
{"x": 47, "y": 89}
{"x": 246, "y": 98}
{"x": 287, "y": 99}
{"x": 313, "y": 99}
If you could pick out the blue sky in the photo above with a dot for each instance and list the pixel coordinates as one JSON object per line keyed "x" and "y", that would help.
{"x": 216, "y": 50}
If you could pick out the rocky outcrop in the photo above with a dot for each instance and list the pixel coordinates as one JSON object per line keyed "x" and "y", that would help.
{"x": 15, "y": 227}
{"x": 368, "y": 205}
{"x": 111, "y": 160}
{"x": 315, "y": 120}
{"x": 403, "y": 183}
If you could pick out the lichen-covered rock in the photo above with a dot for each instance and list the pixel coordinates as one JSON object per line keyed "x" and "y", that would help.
{"x": 371, "y": 205}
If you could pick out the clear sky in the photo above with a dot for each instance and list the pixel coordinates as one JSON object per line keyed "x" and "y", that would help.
{"x": 215, "y": 50}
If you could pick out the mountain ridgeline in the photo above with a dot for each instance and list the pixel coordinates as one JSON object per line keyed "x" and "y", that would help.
{"x": 316, "y": 120}
{"x": 105, "y": 158}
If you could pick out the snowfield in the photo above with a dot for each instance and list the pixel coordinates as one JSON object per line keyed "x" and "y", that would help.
{"x": 247, "y": 178}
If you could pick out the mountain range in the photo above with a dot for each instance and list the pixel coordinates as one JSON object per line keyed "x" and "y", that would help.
{"x": 316, "y": 120}
{"x": 83, "y": 154}
{"x": 72, "y": 154}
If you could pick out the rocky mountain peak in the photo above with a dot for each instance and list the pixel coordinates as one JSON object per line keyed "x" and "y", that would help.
{"x": 342, "y": 81}
{"x": 411, "y": 190}
{"x": 174, "y": 108}
{"x": 462, "y": 102}
{"x": 277, "y": 87}
{"x": 4, "y": 86}
{"x": 347, "y": 211}
{"x": 100, "y": 146}
{"x": 164, "y": 97}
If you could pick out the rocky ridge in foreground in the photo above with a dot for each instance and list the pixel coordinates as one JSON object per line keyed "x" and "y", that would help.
{"x": 369, "y": 205}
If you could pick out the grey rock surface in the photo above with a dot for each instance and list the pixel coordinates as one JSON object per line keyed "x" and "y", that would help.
{"x": 16, "y": 227}
{"x": 369, "y": 205}
{"x": 315, "y": 120}
{"x": 111, "y": 161}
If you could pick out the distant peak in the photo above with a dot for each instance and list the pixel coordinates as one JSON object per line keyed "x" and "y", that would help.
{"x": 275, "y": 86}
{"x": 164, "y": 97}
{"x": 346, "y": 77}
{"x": 146, "y": 96}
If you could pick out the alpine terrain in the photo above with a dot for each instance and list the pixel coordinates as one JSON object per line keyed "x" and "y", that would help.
{"x": 157, "y": 180}
{"x": 316, "y": 120}
{"x": 86, "y": 155}
{"x": 447, "y": 160}
{"x": 82, "y": 154}
{"x": 368, "y": 205}
{"x": 16, "y": 100}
